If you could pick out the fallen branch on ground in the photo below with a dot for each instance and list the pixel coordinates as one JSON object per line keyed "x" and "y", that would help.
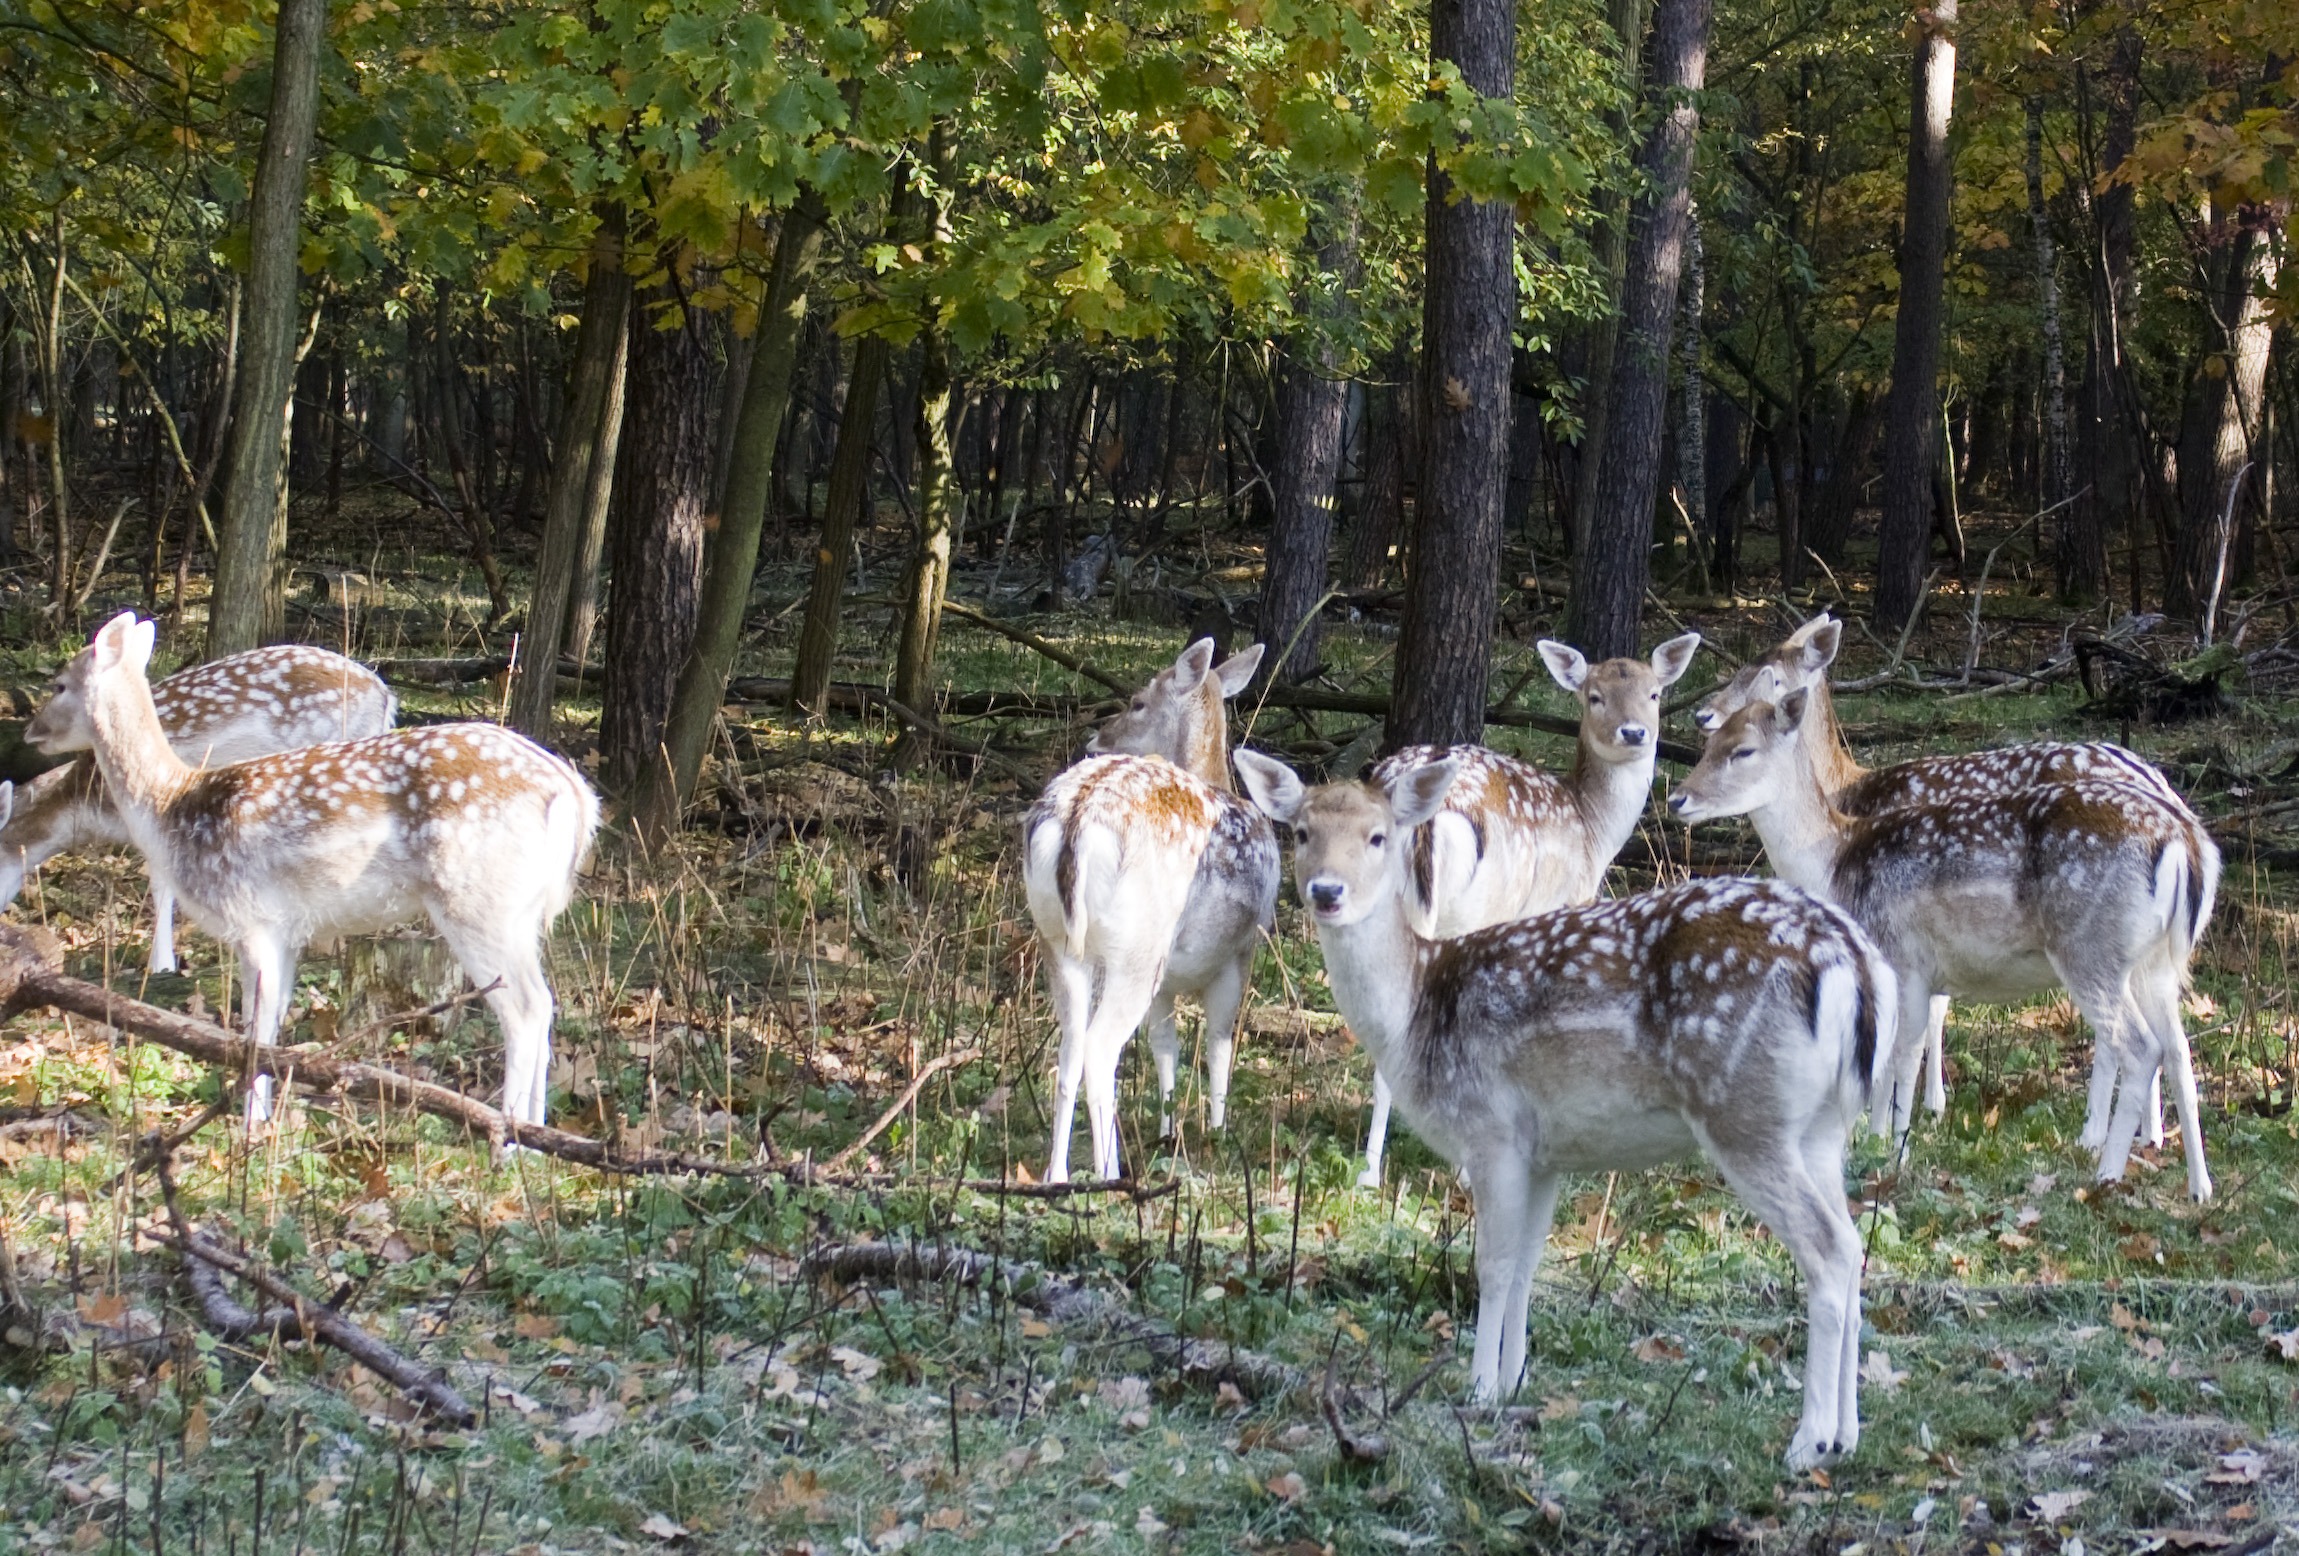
{"x": 1061, "y": 1301}
{"x": 1037, "y": 645}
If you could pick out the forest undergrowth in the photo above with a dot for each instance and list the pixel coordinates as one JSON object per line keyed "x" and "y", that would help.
{"x": 661, "y": 1363}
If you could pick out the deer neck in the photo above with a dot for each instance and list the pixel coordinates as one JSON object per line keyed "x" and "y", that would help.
{"x": 1824, "y": 745}
{"x": 1205, "y": 743}
{"x": 141, "y": 770}
{"x": 55, "y": 811}
{"x": 1802, "y": 832}
{"x": 1611, "y": 795}
{"x": 1374, "y": 966}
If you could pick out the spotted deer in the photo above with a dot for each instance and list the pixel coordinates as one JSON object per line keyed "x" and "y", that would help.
{"x": 1800, "y": 663}
{"x": 227, "y": 710}
{"x": 1149, "y": 879}
{"x": 470, "y": 825}
{"x": 2094, "y": 886}
{"x": 1744, "y": 1019}
{"x": 1511, "y": 839}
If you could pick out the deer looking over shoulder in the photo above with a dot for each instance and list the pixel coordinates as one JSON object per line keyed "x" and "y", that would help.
{"x": 1148, "y": 880}
{"x": 1745, "y": 1019}
{"x": 1511, "y": 839}
{"x": 470, "y": 825}
{"x": 1800, "y": 663}
{"x": 226, "y": 710}
{"x": 2096, "y": 887}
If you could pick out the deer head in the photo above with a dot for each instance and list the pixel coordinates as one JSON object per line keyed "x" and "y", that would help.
{"x": 1750, "y": 760}
{"x": 1179, "y": 714}
{"x": 1349, "y": 852}
{"x": 1798, "y": 661}
{"x": 1620, "y": 698}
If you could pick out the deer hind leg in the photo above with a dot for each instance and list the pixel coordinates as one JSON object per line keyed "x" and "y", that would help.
{"x": 163, "y": 958}
{"x": 2155, "y": 994}
{"x": 2131, "y": 1050}
{"x": 267, "y": 977}
{"x": 1516, "y": 1331}
{"x": 1810, "y": 1220}
{"x": 1936, "y": 1058}
{"x": 1894, "y": 1116}
{"x": 1165, "y": 1049}
{"x": 1377, "y": 1134}
{"x": 1070, "y": 984}
{"x": 509, "y": 966}
{"x": 1129, "y": 984}
{"x": 1223, "y": 997}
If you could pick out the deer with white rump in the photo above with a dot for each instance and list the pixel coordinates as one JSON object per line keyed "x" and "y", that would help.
{"x": 1743, "y": 1019}
{"x": 227, "y": 710}
{"x": 470, "y": 825}
{"x": 1149, "y": 879}
{"x": 1512, "y": 840}
{"x": 1800, "y": 663}
{"x": 2096, "y": 887}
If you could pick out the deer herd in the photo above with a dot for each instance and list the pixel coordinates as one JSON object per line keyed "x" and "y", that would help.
{"x": 1525, "y": 1028}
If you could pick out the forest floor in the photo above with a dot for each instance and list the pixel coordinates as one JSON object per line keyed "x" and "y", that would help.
{"x": 2049, "y": 1367}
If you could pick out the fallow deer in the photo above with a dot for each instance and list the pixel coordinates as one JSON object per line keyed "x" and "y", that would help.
{"x": 470, "y": 825}
{"x": 1745, "y": 1019}
{"x": 1149, "y": 879}
{"x": 1513, "y": 840}
{"x": 2096, "y": 887}
{"x": 1801, "y": 662}
{"x": 227, "y": 710}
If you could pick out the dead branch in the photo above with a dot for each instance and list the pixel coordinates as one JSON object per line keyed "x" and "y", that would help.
{"x": 1062, "y": 1301}
{"x": 895, "y": 1109}
{"x": 1038, "y": 645}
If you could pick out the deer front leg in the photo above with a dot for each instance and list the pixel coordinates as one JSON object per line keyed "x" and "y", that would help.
{"x": 1377, "y": 1134}
{"x": 2156, "y": 994}
{"x": 1506, "y": 1217}
{"x": 1895, "y": 1116}
{"x": 1165, "y": 1049}
{"x": 2132, "y": 1051}
{"x": 1223, "y": 997}
{"x": 163, "y": 958}
{"x": 267, "y": 977}
{"x": 1936, "y": 1058}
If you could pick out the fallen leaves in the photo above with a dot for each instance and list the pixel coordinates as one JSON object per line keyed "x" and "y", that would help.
{"x": 2052, "y": 1506}
{"x": 663, "y": 1528}
{"x": 1878, "y": 1372}
{"x": 1658, "y": 1348}
{"x": 1288, "y": 1488}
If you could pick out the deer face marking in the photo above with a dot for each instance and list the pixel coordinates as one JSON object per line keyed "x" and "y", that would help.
{"x": 1349, "y": 853}
{"x": 1620, "y": 698}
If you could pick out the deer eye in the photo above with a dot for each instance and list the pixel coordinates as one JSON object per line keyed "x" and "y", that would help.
{"x": 1139, "y": 704}
{"x": 1743, "y": 752}
{"x": 1301, "y": 834}
{"x": 1378, "y": 838}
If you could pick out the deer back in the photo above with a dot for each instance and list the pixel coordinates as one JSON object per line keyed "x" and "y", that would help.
{"x": 270, "y": 699}
{"x": 1978, "y": 774}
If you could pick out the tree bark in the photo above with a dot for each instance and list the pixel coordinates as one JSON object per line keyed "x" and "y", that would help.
{"x": 841, "y": 512}
{"x": 598, "y": 502}
{"x": 1830, "y": 526}
{"x": 1614, "y": 562}
{"x": 665, "y": 788}
{"x": 1389, "y": 437}
{"x": 940, "y": 501}
{"x": 1312, "y": 411}
{"x": 248, "y": 606}
{"x": 662, "y": 492}
{"x": 2079, "y": 557}
{"x": 2223, "y": 413}
{"x": 2117, "y": 478}
{"x": 1912, "y": 413}
{"x": 1468, "y": 307}
{"x": 1609, "y": 244}
{"x": 1692, "y": 436}
{"x": 601, "y": 343}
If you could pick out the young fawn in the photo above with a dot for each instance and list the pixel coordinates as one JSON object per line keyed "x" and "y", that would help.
{"x": 1800, "y": 663}
{"x": 473, "y": 826}
{"x": 1512, "y": 840}
{"x": 1745, "y": 1019}
{"x": 2096, "y": 887}
{"x": 1148, "y": 879}
{"x": 227, "y": 710}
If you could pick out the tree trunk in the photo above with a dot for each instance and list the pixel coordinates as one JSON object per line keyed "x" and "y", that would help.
{"x": 1312, "y": 412}
{"x": 1381, "y": 516}
{"x": 1692, "y": 437}
{"x": 842, "y": 511}
{"x": 1609, "y": 245}
{"x": 662, "y": 490}
{"x": 1912, "y": 414}
{"x": 2079, "y": 556}
{"x": 1469, "y": 306}
{"x": 1829, "y": 529}
{"x": 248, "y": 606}
{"x": 939, "y": 498}
{"x": 664, "y": 790}
{"x": 468, "y": 476}
{"x": 2117, "y": 476}
{"x": 598, "y": 502}
{"x": 600, "y": 346}
{"x": 1614, "y": 562}
{"x": 2223, "y": 413}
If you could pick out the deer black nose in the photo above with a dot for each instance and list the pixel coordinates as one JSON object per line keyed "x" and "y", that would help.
{"x": 1634, "y": 734}
{"x": 1325, "y": 896}
{"x": 1706, "y": 719}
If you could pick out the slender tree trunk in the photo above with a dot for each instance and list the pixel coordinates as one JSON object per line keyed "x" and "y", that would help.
{"x": 1614, "y": 563}
{"x": 665, "y": 788}
{"x": 842, "y": 511}
{"x": 2223, "y": 414}
{"x": 249, "y": 603}
{"x": 2118, "y": 477}
{"x": 598, "y": 504}
{"x": 1692, "y": 436}
{"x": 1312, "y": 411}
{"x": 55, "y": 392}
{"x": 939, "y": 499}
{"x": 1912, "y": 414}
{"x": 1610, "y": 246}
{"x": 1830, "y": 521}
{"x": 2078, "y": 554}
{"x": 601, "y": 342}
{"x": 1381, "y": 516}
{"x": 1468, "y": 307}
{"x": 662, "y": 492}
{"x": 467, "y": 476}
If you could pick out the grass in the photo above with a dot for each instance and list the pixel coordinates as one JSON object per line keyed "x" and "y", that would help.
{"x": 2047, "y": 1361}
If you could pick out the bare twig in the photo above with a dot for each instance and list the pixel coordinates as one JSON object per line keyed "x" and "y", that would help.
{"x": 895, "y": 1109}
{"x": 1038, "y": 645}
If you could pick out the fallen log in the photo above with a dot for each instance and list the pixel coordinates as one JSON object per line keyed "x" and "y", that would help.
{"x": 1037, "y": 645}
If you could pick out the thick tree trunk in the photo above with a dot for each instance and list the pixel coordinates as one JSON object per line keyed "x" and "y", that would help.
{"x": 249, "y": 604}
{"x": 2223, "y": 415}
{"x": 842, "y": 511}
{"x": 662, "y": 491}
{"x": 600, "y": 345}
{"x": 664, "y": 789}
{"x": 1305, "y": 474}
{"x": 1469, "y": 306}
{"x": 1389, "y": 455}
{"x": 1614, "y": 562}
{"x": 1912, "y": 414}
{"x": 2079, "y": 558}
{"x": 1610, "y": 245}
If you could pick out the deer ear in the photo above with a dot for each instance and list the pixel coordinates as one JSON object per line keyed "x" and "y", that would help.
{"x": 1565, "y": 664}
{"x": 1273, "y": 786}
{"x": 7, "y": 801}
{"x": 1416, "y": 793}
{"x": 1820, "y": 648}
{"x": 109, "y": 646}
{"x": 1803, "y": 635}
{"x": 1236, "y": 672}
{"x": 1195, "y": 660}
{"x": 141, "y": 637}
{"x": 1674, "y": 657}
{"x": 1793, "y": 705}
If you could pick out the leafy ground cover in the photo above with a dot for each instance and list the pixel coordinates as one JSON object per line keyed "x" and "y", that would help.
{"x": 2050, "y": 1366}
